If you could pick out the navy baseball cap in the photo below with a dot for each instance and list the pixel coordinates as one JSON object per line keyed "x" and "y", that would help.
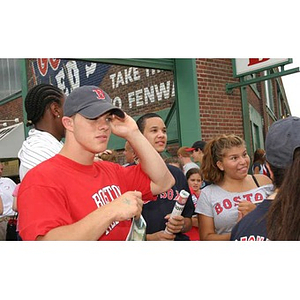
{"x": 197, "y": 145}
{"x": 283, "y": 138}
{"x": 90, "y": 102}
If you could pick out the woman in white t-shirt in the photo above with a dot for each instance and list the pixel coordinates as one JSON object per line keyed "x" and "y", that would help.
{"x": 233, "y": 193}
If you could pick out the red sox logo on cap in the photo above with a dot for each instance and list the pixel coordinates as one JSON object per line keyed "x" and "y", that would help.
{"x": 100, "y": 94}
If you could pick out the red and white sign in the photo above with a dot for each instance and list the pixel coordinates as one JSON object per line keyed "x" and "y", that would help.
{"x": 244, "y": 66}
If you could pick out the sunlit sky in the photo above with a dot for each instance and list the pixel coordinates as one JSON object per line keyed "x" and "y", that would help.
{"x": 292, "y": 87}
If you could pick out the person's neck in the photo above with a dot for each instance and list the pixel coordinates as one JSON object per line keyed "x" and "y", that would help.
{"x": 197, "y": 192}
{"x": 47, "y": 127}
{"x": 77, "y": 154}
{"x": 234, "y": 185}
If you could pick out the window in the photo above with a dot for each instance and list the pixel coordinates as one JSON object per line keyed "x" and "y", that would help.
{"x": 255, "y": 86}
{"x": 10, "y": 75}
{"x": 268, "y": 90}
{"x": 280, "y": 99}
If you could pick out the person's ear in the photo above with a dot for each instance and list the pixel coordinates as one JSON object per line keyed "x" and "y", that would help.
{"x": 68, "y": 123}
{"x": 55, "y": 109}
{"x": 220, "y": 165}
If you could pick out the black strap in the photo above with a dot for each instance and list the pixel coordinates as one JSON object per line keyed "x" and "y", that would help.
{"x": 255, "y": 180}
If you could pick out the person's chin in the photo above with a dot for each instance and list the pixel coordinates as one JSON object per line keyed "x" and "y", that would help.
{"x": 160, "y": 149}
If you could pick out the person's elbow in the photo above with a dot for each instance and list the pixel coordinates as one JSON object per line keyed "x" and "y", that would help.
{"x": 167, "y": 183}
{"x": 164, "y": 185}
{"x": 170, "y": 181}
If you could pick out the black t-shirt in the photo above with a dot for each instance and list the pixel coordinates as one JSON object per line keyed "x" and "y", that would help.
{"x": 252, "y": 227}
{"x": 154, "y": 212}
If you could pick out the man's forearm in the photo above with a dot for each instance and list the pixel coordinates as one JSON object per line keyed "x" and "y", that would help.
{"x": 152, "y": 164}
{"x": 89, "y": 228}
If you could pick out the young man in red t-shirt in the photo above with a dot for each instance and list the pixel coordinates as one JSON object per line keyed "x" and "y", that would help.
{"x": 71, "y": 197}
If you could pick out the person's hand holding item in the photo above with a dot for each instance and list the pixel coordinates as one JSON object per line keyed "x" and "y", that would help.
{"x": 160, "y": 236}
{"x": 175, "y": 224}
{"x": 127, "y": 206}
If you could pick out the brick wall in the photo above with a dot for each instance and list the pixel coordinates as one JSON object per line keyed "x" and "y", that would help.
{"x": 220, "y": 113}
{"x": 11, "y": 110}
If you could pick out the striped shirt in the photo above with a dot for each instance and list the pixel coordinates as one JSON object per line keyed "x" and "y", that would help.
{"x": 38, "y": 146}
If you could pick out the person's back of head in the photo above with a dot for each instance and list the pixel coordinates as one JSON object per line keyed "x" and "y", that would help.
{"x": 182, "y": 152}
{"x": 184, "y": 156}
{"x": 283, "y": 156}
{"x": 109, "y": 155}
{"x": 174, "y": 161}
{"x": 259, "y": 156}
{"x": 37, "y": 101}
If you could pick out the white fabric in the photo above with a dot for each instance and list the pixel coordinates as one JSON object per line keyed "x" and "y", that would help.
{"x": 38, "y": 147}
{"x": 7, "y": 187}
{"x": 189, "y": 166}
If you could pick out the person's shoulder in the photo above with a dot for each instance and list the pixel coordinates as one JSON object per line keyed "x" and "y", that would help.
{"x": 117, "y": 168}
{"x": 36, "y": 135}
{"x": 104, "y": 164}
{"x": 210, "y": 190}
{"x": 44, "y": 138}
{"x": 7, "y": 180}
{"x": 262, "y": 179}
{"x": 175, "y": 170}
{"x": 130, "y": 164}
{"x": 45, "y": 165}
{"x": 211, "y": 186}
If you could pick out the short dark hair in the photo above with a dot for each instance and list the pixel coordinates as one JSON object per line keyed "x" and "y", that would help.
{"x": 142, "y": 120}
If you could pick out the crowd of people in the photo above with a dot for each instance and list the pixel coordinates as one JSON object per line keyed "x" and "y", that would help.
{"x": 76, "y": 189}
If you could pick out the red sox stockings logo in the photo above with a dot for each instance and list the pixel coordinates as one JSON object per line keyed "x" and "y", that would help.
{"x": 100, "y": 94}
{"x": 43, "y": 64}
